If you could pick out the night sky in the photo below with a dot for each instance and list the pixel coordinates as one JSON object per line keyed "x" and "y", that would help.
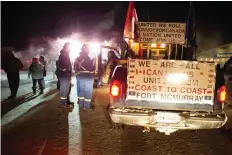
{"x": 24, "y": 20}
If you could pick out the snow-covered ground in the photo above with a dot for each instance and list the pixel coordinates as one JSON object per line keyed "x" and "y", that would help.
{"x": 25, "y": 84}
{"x": 39, "y": 127}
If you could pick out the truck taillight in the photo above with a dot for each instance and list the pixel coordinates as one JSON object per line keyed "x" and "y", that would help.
{"x": 221, "y": 94}
{"x": 115, "y": 88}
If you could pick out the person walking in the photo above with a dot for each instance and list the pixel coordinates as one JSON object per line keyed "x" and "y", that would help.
{"x": 64, "y": 73}
{"x": 84, "y": 68}
{"x": 36, "y": 71}
{"x": 11, "y": 65}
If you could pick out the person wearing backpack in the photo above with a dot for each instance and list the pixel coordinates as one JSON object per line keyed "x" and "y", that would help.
{"x": 11, "y": 65}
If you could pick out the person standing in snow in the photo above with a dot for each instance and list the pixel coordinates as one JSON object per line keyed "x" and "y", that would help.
{"x": 36, "y": 71}
{"x": 85, "y": 69}
{"x": 11, "y": 65}
{"x": 44, "y": 63}
{"x": 57, "y": 76}
{"x": 64, "y": 72}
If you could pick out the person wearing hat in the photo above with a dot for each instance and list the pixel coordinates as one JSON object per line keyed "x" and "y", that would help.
{"x": 36, "y": 70}
{"x": 85, "y": 69}
{"x": 64, "y": 72}
{"x": 11, "y": 65}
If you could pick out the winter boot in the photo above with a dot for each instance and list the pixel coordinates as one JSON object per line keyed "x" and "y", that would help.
{"x": 34, "y": 90}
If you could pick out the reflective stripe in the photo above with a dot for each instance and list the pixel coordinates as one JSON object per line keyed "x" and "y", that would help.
{"x": 63, "y": 98}
{"x": 85, "y": 72}
{"x": 81, "y": 98}
{"x": 87, "y": 100}
{"x": 79, "y": 64}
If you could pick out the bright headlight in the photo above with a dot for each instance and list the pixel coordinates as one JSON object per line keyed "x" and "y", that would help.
{"x": 75, "y": 49}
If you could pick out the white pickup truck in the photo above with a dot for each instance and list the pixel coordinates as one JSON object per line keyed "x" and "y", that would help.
{"x": 168, "y": 95}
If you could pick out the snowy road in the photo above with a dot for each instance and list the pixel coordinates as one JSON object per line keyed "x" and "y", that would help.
{"x": 39, "y": 127}
{"x": 25, "y": 84}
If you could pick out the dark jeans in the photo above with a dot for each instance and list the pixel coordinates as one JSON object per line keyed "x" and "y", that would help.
{"x": 13, "y": 80}
{"x": 40, "y": 82}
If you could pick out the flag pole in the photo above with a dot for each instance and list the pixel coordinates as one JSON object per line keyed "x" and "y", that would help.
{"x": 169, "y": 51}
{"x": 148, "y": 51}
{"x": 182, "y": 51}
{"x": 176, "y": 52}
{"x": 195, "y": 53}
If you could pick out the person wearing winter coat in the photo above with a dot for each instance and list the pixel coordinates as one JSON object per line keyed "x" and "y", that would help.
{"x": 56, "y": 72}
{"x": 36, "y": 71}
{"x": 44, "y": 63}
{"x": 85, "y": 70}
{"x": 64, "y": 73}
{"x": 11, "y": 65}
{"x": 112, "y": 63}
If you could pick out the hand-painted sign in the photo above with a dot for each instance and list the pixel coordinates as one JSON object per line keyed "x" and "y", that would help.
{"x": 156, "y": 32}
{"x": 171, "y": 81}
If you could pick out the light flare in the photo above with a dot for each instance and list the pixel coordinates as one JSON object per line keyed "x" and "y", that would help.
{"x": 177, "y": 78}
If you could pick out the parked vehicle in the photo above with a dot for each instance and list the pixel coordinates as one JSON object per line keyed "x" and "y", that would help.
{"x": 168, "y": 95}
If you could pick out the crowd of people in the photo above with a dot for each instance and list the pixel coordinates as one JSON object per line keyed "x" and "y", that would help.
{"x": 12, "y": 66}
{"x": 84, "y": 67}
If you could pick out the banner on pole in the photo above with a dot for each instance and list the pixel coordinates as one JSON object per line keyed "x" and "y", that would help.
{"x": 157, "y": 32}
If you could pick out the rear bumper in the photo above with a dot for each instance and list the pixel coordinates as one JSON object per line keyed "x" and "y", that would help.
{"x": 186, "y": 122}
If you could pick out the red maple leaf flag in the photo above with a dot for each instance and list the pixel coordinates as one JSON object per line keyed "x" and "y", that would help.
{"x": 131, "y": 19}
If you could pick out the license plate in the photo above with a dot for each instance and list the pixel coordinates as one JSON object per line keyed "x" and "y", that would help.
{"x": 164, "y": 117}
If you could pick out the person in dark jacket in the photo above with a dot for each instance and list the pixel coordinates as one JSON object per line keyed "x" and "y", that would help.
{"x": 43, "y": 61}
{"x": 85, "y": 69}
{"x": 56, "y": 72}
{"x": 11, "y": 65}
{"x": 64, "y": 75}
{"x": 58, "y": 84}
{"x": 36, "y": 71}
{"x": 112, "y": 63}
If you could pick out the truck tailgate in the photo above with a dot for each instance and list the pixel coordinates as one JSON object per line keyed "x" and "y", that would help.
{"x": 170, "y": 84}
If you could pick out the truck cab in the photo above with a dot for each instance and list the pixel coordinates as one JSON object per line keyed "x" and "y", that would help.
{"x": 168, "y": 95}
